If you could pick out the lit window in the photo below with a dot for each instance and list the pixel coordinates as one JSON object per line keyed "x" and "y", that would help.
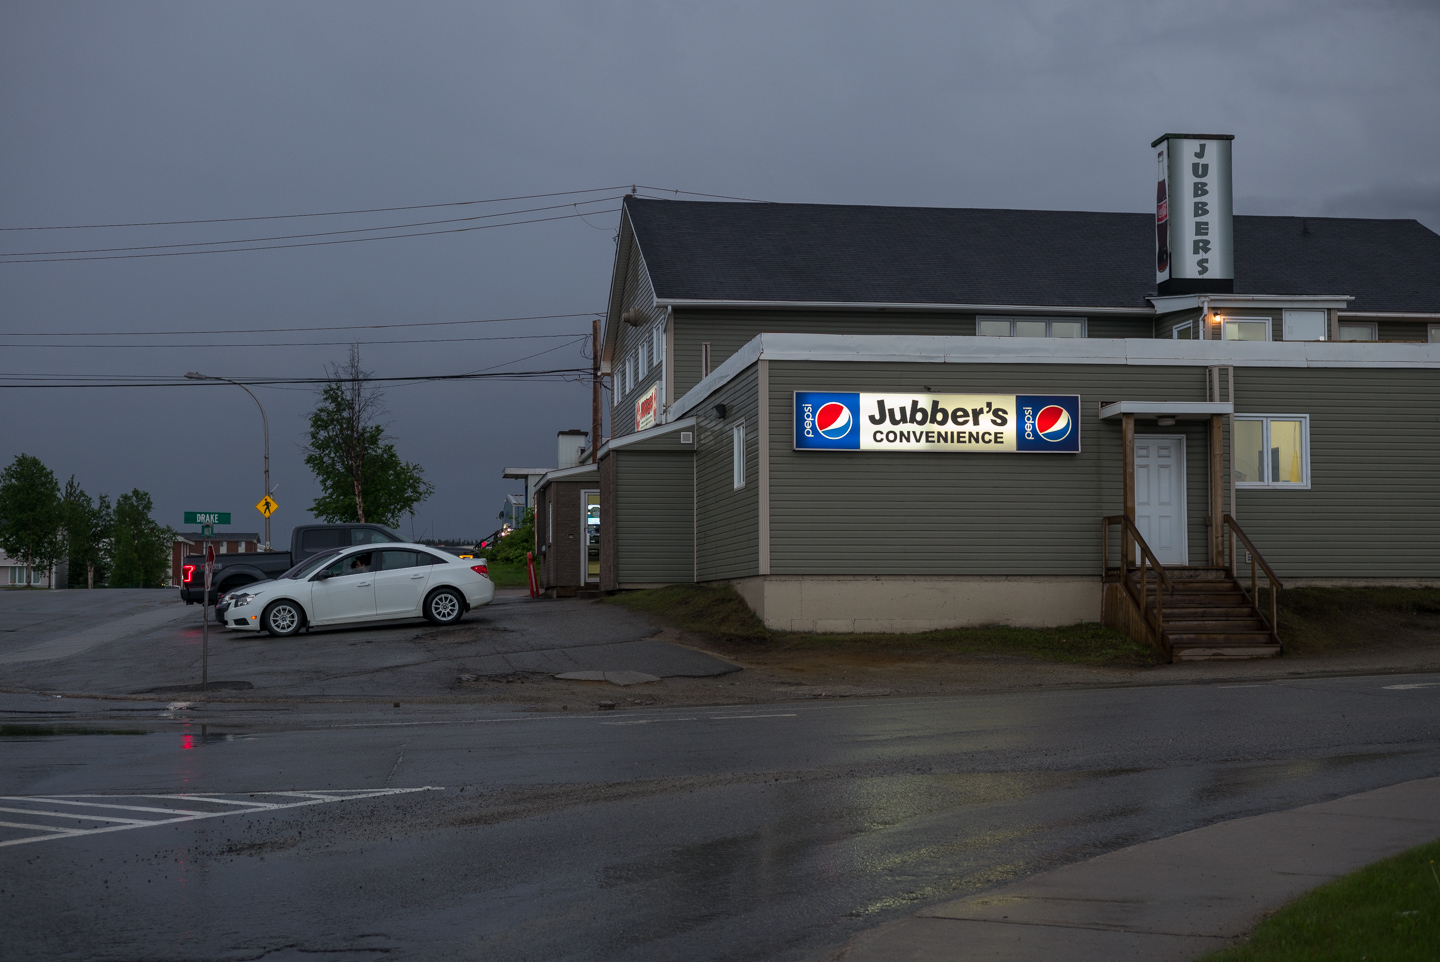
{"x": 1272, "y": 451}
{"x": 1029, "y": 327}
{"x": 1357, "y": 331}
{"x": 738, "y": 439}
{"x": 1246, "y": 329}
{"x": 1304, "y": 325}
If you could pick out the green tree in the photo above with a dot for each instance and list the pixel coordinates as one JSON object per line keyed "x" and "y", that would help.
{"x": 87, "y": 535}
{"x": 30, "y": 513}
{"x": 512, "y": 548}
{"x": 140, "y": 555}
{"x": 361, "y": 476}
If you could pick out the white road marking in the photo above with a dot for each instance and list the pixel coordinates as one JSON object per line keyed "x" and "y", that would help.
{"x": 1427, "y": 684}
{"x": 727, "y": 717}
{"x": 235, "y": 806}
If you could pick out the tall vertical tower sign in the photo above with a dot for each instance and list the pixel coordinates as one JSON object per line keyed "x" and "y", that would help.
{"x": 1194, "y": 214}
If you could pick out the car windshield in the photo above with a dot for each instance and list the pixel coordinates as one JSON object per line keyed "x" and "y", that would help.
{"x": 310, "y": 564}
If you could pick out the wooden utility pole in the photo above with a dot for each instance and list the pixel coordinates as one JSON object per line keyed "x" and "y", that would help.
{"x": 595, "y": 391}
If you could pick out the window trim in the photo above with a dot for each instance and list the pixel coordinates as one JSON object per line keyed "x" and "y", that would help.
{"x": 1432, "y": 333}
{"x": 1227, "y": 319}
{"x": 1324, "y": 324}
{"x": 1084, "y": 323}
{"x": 1187, "y": 326}
{"x": 737, "y": 456}
{"x": 1269, "y": 484}
{"x": 1371, "y": 325}
{"x": 704, "y": 359}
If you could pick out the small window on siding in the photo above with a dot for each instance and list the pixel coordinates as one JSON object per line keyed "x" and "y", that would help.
{"x": 1246, "y": 329}
{"x": 1030, "y": 327}
{"x": 737, "y": 436}
{"x": 1304, "y": 325}
{"x": 1272, "y": 451}
{"x": 705, "y": 359}
{"x": 1434, "y": 335}
{"x": 657, "y": 344}
{"x": 1357, "y": 331}
{"x": 1183, "y": 332}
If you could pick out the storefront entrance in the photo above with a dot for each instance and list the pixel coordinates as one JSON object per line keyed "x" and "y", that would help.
{"x": 1160, "y": 496}
{"x": 590, "y": 503}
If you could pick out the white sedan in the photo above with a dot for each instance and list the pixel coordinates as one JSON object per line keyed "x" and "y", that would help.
{"x": 359, "y": 584}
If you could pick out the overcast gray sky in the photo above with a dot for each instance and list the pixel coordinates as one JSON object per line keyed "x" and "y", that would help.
{"x": 124, "y": 112}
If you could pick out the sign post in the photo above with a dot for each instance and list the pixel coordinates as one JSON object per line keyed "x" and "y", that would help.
{"x": 207, "y": 521}
{"x": 205, "y": 615}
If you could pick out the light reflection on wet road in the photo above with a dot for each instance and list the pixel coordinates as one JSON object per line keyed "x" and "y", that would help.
{"x": 700, "y": 834}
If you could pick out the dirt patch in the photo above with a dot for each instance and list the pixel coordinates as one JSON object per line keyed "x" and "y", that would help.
{"x": 731, "y": 628}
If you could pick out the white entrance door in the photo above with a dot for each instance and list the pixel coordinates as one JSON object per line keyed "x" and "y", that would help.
{"x": 1160, "y": 496}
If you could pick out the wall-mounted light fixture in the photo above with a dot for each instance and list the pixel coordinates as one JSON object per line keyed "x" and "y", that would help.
{"x": 1165, "y": 422}
{"x": 720, "y": 411}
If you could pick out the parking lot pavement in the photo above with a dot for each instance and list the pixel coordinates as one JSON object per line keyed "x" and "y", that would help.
{"x": 139, "y": 642}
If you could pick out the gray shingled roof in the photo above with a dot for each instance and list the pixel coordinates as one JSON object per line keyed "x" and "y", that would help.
{"x": 932, "y": 255}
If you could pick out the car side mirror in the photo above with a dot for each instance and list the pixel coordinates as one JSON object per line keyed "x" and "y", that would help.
{"x": 323, "y": 576}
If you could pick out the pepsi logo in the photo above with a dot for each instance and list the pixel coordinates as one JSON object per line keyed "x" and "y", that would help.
{"x": 834, "y": 420}
{"x": 1053, "y": 423}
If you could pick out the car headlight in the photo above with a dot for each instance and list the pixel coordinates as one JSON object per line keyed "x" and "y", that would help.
{"x": 240, "y": 600}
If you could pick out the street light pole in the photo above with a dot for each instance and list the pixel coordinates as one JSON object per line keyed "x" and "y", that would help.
{"x": 196, "y": 376}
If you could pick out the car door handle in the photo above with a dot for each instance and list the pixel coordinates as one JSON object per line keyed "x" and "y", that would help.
{"x": 420, "y": 575}
{"x": 362, "y": 584}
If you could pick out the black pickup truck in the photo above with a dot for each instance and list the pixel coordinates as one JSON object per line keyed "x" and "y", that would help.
{"x": 233, "y": 570}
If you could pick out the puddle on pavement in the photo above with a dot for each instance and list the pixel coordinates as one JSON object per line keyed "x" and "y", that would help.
{"x": 46, "y": 731}
{"x": 1235, "y": 781}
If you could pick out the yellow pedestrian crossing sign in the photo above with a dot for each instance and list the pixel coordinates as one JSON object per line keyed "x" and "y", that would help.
{"x": 267, "y": 506}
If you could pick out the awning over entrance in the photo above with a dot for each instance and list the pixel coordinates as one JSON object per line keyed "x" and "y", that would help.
{"x": 1178, "y": 410}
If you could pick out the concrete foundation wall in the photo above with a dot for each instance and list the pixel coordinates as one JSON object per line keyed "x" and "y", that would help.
{"x": 849, "y": 603}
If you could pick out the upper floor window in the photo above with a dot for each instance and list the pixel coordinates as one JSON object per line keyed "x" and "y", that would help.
{"x": 657, "y": 344}
{"x": 1434, "y": 335}
{"x": 1245, "y": 328}
{"x": 1030, "y": 327}
{"x": 1357, "y": 331}
{"x": 1184, "y": 331}
{"x": 1305, "y": 325}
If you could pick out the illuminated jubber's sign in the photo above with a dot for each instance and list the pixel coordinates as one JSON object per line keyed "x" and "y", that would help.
{"x": 1194, "y": 250}
{"x": 980, "y": 423}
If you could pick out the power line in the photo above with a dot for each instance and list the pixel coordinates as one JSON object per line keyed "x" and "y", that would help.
{"x": 325, "y": 213}
{"x": 432, "y": 340}
{"x": 384, "y": 210}
{"x": 552, "y": 373}
{"x": 696, "y": 193}
{"x": 287, "y": 330}
{"x": 349, "y": 240}
{"x": 324, "y": 233}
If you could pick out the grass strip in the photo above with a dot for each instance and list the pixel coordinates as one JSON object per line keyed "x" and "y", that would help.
{"x": 509, "y": 575}
{"x": 1322, "y": 620}
{"x": 721, "y": 614}
{"x": 1389, "y": 910}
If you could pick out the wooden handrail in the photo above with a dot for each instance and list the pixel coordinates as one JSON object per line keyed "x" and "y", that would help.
{"x": 1258, "y": 563}
{"x": 1234, "y": 526}
{"x": 1145, "y": 551}
{"x": 1139, "y": 596}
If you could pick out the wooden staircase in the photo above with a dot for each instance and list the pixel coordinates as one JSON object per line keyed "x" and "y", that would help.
{"x": 1208, "y": 616}
{"x": 1190, "y": 613}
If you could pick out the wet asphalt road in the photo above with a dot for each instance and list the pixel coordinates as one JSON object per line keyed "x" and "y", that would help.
{"x": 728, "y": 833}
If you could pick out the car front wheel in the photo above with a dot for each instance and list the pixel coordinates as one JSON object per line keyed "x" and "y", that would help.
{"x": 282, "y": 618}
{"x": 444, "y": 606}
